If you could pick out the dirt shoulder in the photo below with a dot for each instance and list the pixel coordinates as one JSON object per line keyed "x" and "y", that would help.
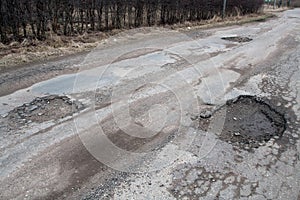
{"x": 20, "y": 77}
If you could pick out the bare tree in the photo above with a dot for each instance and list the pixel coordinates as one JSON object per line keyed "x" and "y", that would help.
{"x": 34, "y": 18}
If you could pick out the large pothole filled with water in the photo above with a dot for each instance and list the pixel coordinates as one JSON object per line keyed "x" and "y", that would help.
{"x": 250, "y": 122}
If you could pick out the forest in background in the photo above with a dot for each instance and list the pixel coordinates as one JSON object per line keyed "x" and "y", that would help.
{"x": 35, "y": 19}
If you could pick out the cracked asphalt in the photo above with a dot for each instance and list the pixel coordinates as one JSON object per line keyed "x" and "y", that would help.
{"x": 138, "y": 132}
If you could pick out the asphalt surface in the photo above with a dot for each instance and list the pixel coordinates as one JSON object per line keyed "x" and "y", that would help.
{"x": 148, "y": 117}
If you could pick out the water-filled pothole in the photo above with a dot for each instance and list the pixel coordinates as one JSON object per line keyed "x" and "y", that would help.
{"x": 250, "y": 122}
{"x": 237, "y": 39}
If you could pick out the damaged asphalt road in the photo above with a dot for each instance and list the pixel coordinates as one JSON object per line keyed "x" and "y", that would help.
{"x": 161, "y": 115}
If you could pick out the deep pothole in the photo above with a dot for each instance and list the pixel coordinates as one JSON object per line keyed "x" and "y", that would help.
{"x": 237, "y": 39}
{"x": 250, "y": 122}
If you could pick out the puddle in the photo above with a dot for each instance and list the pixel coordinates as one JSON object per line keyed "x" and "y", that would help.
{"x": 237, "y": 39}
{"x": 250, "y": 122}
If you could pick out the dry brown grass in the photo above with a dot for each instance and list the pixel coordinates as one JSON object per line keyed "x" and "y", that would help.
{"x": 228, "y": 21}
{"x": 34, "y": 50}
{"x": 270, "y": 9}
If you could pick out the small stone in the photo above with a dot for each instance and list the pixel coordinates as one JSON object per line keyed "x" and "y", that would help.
{"x": 246, "y": 147}
{"x": 40, "y": 114}
{"x": 206, "y": 114}
{"x": 237, "y": 134}
{"x": 4, "y": 115}
{"x": 33, "y": 108}
{"x": 235, "y": 119}
{"x": 270, "y": 143}
{"x": 79, "y": 106}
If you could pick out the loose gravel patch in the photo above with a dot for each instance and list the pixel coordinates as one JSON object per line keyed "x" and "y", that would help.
{"x": 42, "y": 109}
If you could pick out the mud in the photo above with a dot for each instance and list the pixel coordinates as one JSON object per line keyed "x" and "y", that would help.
{"x": 237, "y": 39}
{"x": 41, "y": 110}
{"x": 250, "y": 122}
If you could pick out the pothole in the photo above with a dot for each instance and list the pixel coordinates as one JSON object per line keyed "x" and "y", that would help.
{"x": 250, "y": 122}
{"x": 237, "y": 39}
{"x": 41, "y": 110}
